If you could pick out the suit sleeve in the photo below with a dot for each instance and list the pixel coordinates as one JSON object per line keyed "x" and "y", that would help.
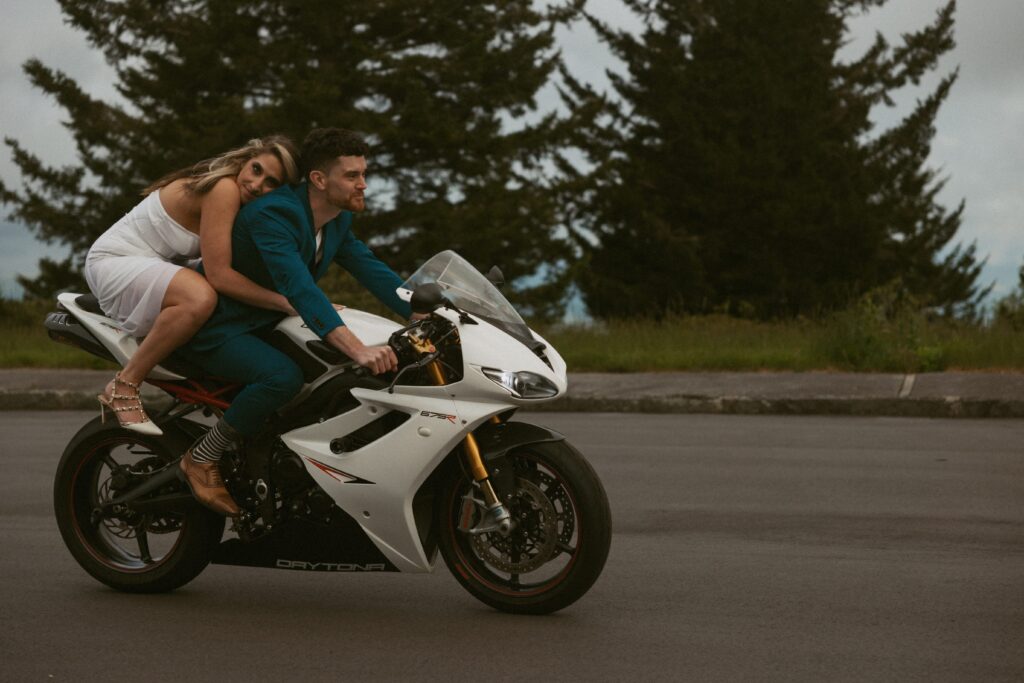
{"x": 274, "y": 233}
{"x": 355, "y": 257}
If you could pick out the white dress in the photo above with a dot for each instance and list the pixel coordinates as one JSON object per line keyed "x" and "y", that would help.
{"x": 130, "y": 266}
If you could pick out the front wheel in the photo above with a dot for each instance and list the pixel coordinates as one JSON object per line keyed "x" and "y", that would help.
{"x": 561, "y": 532}
{"x": 138, "y": 552}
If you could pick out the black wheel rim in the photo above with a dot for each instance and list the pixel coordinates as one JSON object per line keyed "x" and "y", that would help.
{"x": 122, "y": 539}
{"x": 544, "y": 544}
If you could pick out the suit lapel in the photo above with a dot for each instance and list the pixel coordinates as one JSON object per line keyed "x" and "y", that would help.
{"x": 332, "y": 235}
{"x": 333, "y": 232}
{"x": 309, "y": 233}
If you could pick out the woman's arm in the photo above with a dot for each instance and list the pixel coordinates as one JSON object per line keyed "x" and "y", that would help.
{"x": 219, "y": 207}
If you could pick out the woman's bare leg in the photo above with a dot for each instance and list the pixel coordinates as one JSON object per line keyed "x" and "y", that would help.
{"x": 188, "y": 303}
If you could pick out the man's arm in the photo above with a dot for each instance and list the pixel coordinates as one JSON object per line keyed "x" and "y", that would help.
{"x": 276, "y": 238}
{"x": 274, "y": 231}
{"x": 354, "y": 256}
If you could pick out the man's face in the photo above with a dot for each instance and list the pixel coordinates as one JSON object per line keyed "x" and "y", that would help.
{"x": 345, "y": 184}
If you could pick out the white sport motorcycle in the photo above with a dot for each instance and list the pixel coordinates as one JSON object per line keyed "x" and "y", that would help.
{"x": 358, "y": 473}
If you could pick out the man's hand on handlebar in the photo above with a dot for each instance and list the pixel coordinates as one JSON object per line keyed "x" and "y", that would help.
{"x": 376, "y": 359}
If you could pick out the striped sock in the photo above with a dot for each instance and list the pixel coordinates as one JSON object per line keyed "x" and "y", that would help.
{"x": 217, "y": 441}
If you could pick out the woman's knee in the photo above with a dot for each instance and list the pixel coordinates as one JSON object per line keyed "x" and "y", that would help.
{"x": 205, "y": 302}
{"x": 190, "y": 293}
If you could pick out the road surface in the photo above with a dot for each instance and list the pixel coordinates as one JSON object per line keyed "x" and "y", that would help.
{"x": 744, "y": 548}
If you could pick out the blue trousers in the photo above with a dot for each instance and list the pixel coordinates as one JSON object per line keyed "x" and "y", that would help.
{"x": 271, "y": 378}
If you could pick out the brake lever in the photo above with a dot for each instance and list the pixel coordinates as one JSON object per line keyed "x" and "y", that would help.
{"x": 422, "y": 362}
{"x": 426, "y": 360}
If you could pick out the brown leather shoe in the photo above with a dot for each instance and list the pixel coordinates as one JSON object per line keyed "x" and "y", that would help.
{"x": 207, "y": 485}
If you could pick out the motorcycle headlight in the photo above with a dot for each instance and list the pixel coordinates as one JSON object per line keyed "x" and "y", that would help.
{"x": 523, "y": 384}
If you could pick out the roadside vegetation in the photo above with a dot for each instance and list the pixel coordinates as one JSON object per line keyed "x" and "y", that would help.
{"x": 840, "y": 343}
{"x": 880, "y": 334}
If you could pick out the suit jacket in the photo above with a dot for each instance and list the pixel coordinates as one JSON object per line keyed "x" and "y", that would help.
{"x": 273, "y": 243}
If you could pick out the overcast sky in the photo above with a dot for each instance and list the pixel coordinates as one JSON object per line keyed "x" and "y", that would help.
{"x": 979, "y": 144}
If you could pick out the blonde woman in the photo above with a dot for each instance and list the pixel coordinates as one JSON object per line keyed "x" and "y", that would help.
{"x": 138, "y": 269}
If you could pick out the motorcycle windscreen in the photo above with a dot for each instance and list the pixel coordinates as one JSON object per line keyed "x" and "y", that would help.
{"x": 465, "y": 287}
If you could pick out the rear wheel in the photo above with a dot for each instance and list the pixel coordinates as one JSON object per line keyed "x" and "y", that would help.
{"x": 140, "y": 552}
{"x": 559, "y": 540}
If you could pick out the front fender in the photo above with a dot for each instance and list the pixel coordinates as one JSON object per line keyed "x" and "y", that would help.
{"x": 496, "y": 440}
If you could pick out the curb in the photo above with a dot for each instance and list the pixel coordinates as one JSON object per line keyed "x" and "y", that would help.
{"x": 47, "y": 400}
{"x": 948, "y": 407}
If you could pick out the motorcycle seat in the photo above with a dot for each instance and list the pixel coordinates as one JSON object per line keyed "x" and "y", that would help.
{"x": 90, "y": 303}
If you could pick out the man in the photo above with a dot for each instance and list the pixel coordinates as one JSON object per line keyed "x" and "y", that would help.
{"x": 286, "y": 241}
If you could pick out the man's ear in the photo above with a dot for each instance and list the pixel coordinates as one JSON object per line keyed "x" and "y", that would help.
{"x": 318, "y": 179}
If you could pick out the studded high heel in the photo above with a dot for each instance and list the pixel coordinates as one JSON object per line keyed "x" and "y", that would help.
{"x": 110, "y": 394}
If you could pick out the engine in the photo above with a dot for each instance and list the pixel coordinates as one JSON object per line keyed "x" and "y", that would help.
{"x": 300, "y": 497}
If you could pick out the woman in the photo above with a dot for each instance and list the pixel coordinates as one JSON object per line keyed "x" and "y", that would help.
{"x": 138, "y": 268}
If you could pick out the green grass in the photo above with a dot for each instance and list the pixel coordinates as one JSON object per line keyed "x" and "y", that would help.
{"x": 844, "y": 342}
{"x": 861, "y": 339}
{"x": 707, "y": 343}
{"x": 25, "y": 344}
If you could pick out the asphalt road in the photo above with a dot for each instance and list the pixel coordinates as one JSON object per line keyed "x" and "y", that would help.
{"x": 745, "y": 548}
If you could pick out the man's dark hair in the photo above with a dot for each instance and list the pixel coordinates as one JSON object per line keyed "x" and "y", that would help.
{"x": 323, "y": 146}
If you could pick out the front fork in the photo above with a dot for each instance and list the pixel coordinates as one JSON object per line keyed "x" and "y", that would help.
{"x": 495, "y": 516}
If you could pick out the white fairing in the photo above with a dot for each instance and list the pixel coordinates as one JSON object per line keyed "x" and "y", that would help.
{"x": 398, "y": 463}
{"x": 371, "y": 329}
{"x": 120, "y": 344}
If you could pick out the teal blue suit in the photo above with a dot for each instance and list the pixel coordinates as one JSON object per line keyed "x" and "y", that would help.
{"x": 273, "y": 243}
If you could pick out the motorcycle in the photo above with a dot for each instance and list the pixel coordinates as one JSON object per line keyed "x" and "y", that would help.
{"x": 358, "y": 473}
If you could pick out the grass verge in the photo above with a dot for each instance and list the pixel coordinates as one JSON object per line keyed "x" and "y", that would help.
{"x": 860, "y": 340}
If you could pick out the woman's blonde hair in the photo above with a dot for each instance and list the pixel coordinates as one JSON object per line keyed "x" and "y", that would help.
{"x": 207, "y": 172}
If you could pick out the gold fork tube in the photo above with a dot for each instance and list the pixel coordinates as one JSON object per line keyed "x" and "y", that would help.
{"x": 472, "y": 450}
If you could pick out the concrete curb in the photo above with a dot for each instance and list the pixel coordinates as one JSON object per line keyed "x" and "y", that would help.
{"x": 948, "y": 407}
{"x": 941, "y": 394}
{"x": 47, "y": 400}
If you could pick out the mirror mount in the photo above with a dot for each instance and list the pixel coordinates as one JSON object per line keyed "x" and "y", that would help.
{"x": 426, "y": 298}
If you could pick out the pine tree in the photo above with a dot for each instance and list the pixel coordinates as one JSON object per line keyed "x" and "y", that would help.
{"x": 444, "y": 90}
{"x": 738, "y": 168}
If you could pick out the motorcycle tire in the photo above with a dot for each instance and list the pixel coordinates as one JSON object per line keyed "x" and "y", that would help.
{"x": 130, "y": 551}
{"x": 559, "y": 541}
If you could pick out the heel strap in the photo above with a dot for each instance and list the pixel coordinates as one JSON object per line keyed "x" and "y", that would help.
{"x": 145, "y": 418}
{"x": 126, "y": 397}
{"x": 118, "y": 380}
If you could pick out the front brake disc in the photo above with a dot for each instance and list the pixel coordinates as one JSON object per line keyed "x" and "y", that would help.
{"x": 533, "y": 538}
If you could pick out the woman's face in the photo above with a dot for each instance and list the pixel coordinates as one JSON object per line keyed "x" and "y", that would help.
{"x": 259, "y": 175}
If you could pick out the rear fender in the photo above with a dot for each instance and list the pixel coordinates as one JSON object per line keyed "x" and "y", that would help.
{"x": 178, "y": 433}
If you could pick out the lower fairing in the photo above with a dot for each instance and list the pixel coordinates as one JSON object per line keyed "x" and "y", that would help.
{"x": 339, "y": 546}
